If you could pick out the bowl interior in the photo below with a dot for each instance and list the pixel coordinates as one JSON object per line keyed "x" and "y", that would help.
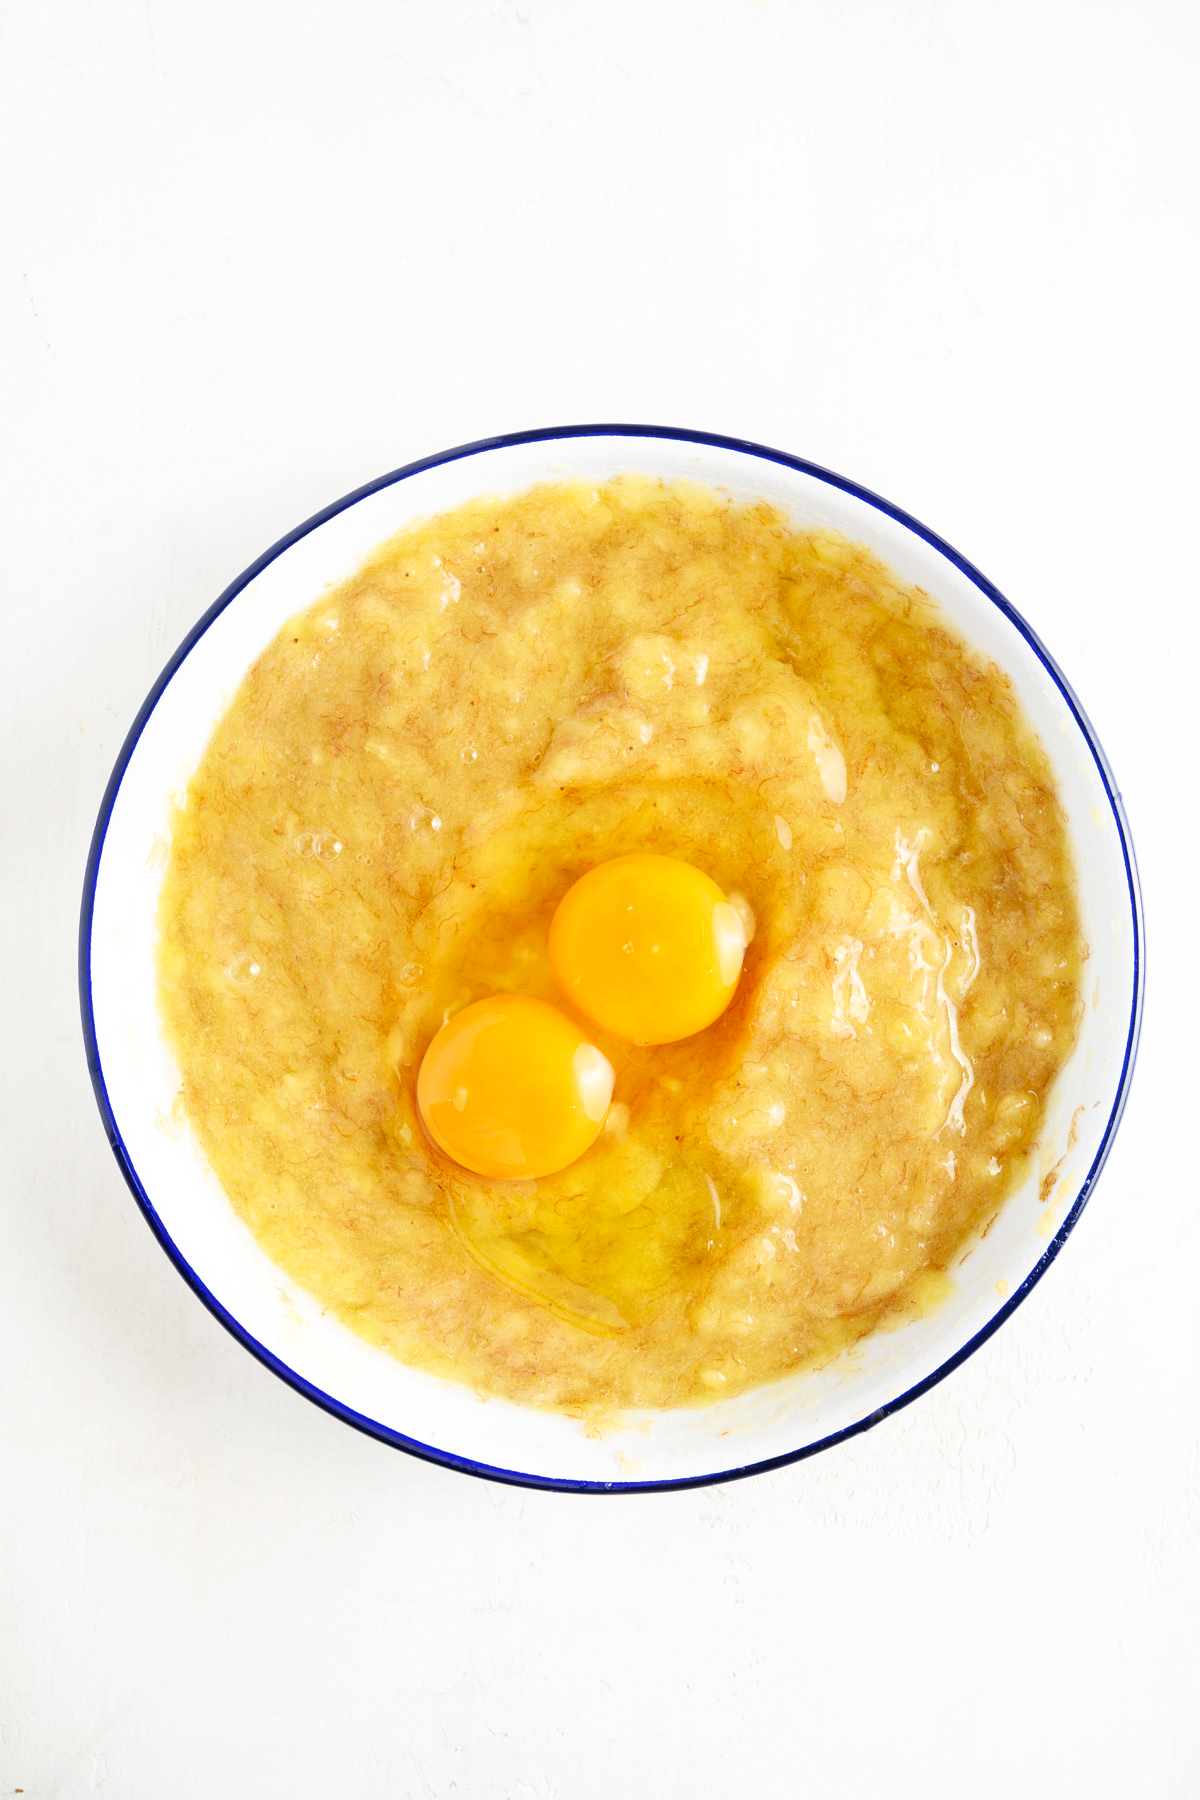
{"x": 138, "y": 1081}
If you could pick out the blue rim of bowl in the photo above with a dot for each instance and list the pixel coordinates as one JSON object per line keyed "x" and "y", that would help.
{"x": 372, "y": 1427}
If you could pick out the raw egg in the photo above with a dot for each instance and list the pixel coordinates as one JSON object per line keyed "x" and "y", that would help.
{"x": 649, "y": 948}
{"x": 511, "y": 1088}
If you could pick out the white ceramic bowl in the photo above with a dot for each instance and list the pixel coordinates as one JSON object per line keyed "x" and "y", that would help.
{"x": 136, "y": 1079}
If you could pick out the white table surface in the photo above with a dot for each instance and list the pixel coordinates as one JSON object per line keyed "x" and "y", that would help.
{"x": 257, "y": 253}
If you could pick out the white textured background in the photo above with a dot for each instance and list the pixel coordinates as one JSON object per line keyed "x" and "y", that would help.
{"x": 255, "y": 253}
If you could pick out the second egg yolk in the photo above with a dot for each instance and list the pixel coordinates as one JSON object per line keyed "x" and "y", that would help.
{"x": 648, "y": 948}
{"x": 511, "y": 1088}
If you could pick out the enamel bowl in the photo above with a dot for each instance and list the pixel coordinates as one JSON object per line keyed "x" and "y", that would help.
{"x": 136, "y": 1079}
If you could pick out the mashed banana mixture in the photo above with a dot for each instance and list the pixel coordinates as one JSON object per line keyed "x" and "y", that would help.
{"x": 402, "y": 790}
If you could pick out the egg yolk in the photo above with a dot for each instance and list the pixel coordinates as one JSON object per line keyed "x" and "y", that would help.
{"x": 648, "y": 948}
{"x": 511, "y": 1088}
